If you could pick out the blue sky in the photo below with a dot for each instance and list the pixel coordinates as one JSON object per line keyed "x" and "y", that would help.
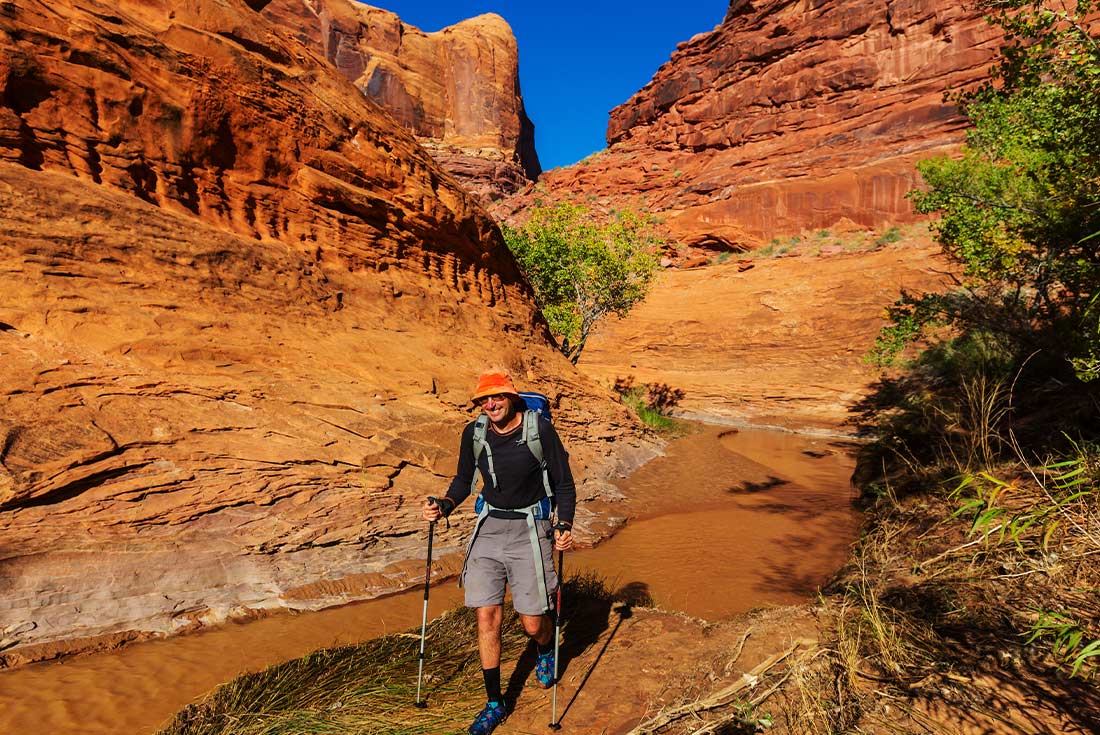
{"x": 577, "y": 60}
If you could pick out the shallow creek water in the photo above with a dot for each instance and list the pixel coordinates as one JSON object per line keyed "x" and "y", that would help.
{"x": 726, "y": 522}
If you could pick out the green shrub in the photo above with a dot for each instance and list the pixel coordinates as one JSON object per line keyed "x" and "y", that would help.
{"x": 892, "y": 235}
{"x": 652, "y": 402}
{"x": 1018, "y": 209}
{"x": 583, "y": 269}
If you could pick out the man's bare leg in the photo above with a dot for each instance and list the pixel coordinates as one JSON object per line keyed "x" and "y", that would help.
{"x": 489, "y": 620}
{"x": 488, "y": 646}
{"x": 538, "y": 627}
{"x": 488, "y": 635}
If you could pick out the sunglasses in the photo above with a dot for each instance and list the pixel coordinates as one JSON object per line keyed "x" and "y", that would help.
{"x": 496, "y": 398}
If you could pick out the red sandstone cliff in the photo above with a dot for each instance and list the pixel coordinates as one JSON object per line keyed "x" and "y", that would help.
{"x": 788, "y": 116}
{"x": 241, "y": 311}
{"x": 457, "y": 89}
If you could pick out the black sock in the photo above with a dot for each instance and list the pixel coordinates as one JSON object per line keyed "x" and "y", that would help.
{"x": 492, "y": 684}
{"x": 545, "y": 648}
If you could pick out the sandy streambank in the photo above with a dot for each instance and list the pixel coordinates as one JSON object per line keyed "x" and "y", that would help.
{"x": 780, "y": 343}
{"x": 226, "y": 585}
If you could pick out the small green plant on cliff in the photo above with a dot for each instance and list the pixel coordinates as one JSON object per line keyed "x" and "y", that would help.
{"x": 892, "y": 235}
{"x": 583, "y": 269}
{"x": 773, "y": 249}
{"x": 652, "y": 402}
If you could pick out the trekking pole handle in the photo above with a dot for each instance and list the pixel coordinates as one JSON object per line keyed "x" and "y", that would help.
{"x": 438, "y": 503}
{"x": 561, "y": 527}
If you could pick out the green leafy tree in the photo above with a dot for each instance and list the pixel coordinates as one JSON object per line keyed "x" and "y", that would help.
{"x": 1020, "y": 206}
{"x": 582, "y": 269}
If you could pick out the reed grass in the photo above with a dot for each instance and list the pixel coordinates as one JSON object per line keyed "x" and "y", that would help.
{"x": 652, "y": 403}
{"x": 651, "y": 417}
{"x": 365, "y": 688}
{"x": 370, "y": 688}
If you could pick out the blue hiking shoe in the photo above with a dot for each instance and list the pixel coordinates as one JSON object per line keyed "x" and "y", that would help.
{"x": 493, "y": 714}
{"x": 544, "y": 669}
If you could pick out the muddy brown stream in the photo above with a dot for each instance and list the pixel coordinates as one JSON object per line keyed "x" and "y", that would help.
{"x": 726, "y": 522}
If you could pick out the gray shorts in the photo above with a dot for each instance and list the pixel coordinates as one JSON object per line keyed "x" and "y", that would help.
{"x": 502, "y": 554}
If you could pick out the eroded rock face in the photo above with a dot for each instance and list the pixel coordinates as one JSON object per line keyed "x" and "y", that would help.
{"x": 788, "y": 116}
{"x": 242, "y": 311}
{"x": 207, "y": 111}
{"x": 457, "y": 89}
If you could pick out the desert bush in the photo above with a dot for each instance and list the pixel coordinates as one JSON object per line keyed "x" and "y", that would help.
{"x": 583, "y": 269}
{"x": 1020, "y": 208}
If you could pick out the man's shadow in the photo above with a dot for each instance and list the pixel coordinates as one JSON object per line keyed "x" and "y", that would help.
{"x": 586, "y": 607}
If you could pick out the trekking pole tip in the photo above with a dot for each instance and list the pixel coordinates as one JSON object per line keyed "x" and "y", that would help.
{"x": 421, "y": 705}
{"x": 555, "y": 726}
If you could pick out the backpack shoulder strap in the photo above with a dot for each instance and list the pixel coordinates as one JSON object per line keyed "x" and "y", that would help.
{"x": 481, "y": 427}
{"x": 534, "y": 443}
{"x": 531, "y": 434}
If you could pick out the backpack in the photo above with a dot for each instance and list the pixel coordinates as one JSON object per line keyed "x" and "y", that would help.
{"x": 536, "y": 402}
{"x": 535, "y": 406}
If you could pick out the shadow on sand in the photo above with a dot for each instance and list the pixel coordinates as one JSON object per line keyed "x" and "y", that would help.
{"x": 587, "y": 606}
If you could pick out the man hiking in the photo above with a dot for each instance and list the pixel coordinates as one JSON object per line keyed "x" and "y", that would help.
{"x": 511, "y": 541}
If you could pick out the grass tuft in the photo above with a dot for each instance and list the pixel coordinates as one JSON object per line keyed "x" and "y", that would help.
{"x": 365, "y": 688}
{"x": 652, "y": 403}
{"x": 370, "y": 688}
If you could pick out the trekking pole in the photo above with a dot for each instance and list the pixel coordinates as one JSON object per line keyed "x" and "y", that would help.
{"x": 554, "y": 724}
{"x": 422, "y": 704}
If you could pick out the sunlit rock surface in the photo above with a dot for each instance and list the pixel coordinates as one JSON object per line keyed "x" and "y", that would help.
{"x": 781, "y": 343}
{"x": 241, "y": 313}
{"x": 787, "y": 116}
{"x": 457, "y": 89}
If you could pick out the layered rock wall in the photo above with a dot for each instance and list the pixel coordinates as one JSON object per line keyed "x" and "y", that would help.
{"x": 790, "y": 115}
{"x": 241, "y": 313}
{"x": 457, "y": 89}
{"x": 209, "y": 112}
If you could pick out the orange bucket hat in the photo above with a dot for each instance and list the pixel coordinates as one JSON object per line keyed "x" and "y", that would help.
{"x": 494, "y": 382}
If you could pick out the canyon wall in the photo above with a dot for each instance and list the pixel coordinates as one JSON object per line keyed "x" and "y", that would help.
{"x": 242, "y": 312}
{"x": 791, "y": 115}
{"x": 457, "y": 89}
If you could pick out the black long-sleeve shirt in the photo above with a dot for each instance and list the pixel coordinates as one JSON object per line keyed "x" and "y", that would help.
{"x": 519, "y": 475}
